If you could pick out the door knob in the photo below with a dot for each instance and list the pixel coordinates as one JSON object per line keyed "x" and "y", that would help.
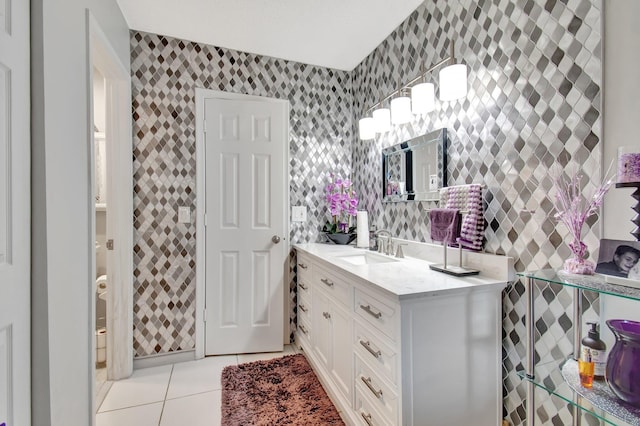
{"x": 275, "y": 239}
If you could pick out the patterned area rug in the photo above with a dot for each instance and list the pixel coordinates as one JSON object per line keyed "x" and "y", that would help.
{"x": 281, "y": 391}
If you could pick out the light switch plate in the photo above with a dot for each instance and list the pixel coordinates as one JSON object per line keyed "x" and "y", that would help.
{"x": 298, "y": 214}
{"x": 184, "y": 214}
{"x": 433, "y": 182}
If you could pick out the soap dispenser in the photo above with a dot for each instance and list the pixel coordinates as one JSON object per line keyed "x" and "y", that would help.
{"x": 593, "y": 358}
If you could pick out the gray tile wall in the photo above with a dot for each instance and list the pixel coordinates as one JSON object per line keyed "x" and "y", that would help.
{"x": 534, "y": 101}
{"x": 165, "y": 73}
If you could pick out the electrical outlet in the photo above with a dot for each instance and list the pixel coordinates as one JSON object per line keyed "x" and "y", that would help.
{"x": 184, "y": 214}
{"x": 298, "y": 214}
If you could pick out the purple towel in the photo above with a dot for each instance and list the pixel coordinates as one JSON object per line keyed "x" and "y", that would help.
{"x": 445, "y": 224}
{"x": 469, "y": 199}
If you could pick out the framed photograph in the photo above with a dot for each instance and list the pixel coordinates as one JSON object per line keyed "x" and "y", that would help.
{"x": 619, "y": 259}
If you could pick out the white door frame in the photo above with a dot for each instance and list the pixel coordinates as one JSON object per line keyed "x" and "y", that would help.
{"x": 201, "y": 95}
{"x": 119, "y": 149}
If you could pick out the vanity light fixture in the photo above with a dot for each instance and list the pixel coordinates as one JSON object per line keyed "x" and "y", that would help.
{"x": 453, "y": 85}
{"x": 367, "y": 128}
{"x": 453, "y": 82}
{"x": 453, "y": 77}
{"x": 382, "y": 118}
{"x": 401, "y": 109}
{"x": 423, "y": 98}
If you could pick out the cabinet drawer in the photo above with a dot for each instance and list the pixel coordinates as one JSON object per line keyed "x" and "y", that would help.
{"x": 304, "y": 333}
{"x": 337, "y": 287}
{"x": 304, "y": 309}
{"x": 303, "y": 267}
{"x": 367, "y": 414}
{"x": 304, "y": 287}
{"x": 304, "y": 293}
{"x": 382, "y": 316}
{"x": 381, "y": 356}
{"x": 376, "y": 391}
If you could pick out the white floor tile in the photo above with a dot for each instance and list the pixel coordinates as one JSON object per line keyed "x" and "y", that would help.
{"x": 243, "y": 358}
{"x": 101, "y": 392}
{"x": 195, "y": 410}
{"x": 193, "y": 377}
{"x": 143, "y": 415}
{"x": 145, "y": 386}
{"x": 190, "y": 392}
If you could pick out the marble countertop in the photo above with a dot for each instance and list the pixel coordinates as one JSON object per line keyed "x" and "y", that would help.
{"x": 405, "y": 278}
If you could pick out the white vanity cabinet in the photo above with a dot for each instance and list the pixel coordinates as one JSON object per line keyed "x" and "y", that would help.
{"x": 426, "y": 356}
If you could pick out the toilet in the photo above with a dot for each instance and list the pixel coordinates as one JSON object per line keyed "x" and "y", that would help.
{"x": 101, "y": 287}
{"x": 101, "y": 320}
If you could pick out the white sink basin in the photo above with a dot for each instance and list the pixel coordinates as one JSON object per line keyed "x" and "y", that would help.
{"x": 365, "y": 258}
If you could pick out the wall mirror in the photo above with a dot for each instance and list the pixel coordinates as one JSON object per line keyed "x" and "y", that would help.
{"x": 416, "y": 169}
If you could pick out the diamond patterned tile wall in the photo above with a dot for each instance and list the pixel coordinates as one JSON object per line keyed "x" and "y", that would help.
{"x": 534, "y": 101}
{"x": 165, "y": 73}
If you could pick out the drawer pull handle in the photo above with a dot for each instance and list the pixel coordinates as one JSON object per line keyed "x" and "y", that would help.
{"x": 303, "y": 308}
{"x": 367, "y": 346}
{"x": 367, "y": 381}
{"x": 327, "y": 282}
{"x": 326, "y": 315}
{"x": 368, "y": 310}
{"x": 302, "y": 265}
{"x": 304, "y": 330}
{"x": 302, "y": 286}
{"x": 367, "y": 418}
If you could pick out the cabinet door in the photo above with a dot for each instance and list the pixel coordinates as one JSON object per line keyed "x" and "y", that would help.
{"x": 341, "y": 351}
{"x": 320, "y": 312}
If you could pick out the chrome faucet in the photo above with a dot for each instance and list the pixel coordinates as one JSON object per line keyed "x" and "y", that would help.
{"x": 399, "y": 253}
{"x": 385, "y": 247}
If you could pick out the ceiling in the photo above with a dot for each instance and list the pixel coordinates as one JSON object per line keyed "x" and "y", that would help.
{"x": 330, "y": 33}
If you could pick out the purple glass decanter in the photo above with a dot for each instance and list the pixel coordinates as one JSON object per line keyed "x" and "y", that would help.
{"x": 623, "y": 362}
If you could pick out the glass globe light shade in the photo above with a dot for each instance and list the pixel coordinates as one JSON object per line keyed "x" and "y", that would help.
{"x": 367, "y": 128}
{"x": 423, "y": 98}
{"x": 453, "y": 82}
{"x": 401, "y": 110}
{"x": 382, "y": 117}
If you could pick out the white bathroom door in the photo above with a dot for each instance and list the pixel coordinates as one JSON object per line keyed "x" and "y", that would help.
{"x": 246, "y": 248}
{"x": 15, "y": 282}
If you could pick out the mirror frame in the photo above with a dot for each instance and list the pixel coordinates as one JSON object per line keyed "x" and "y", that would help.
{"x": 438, "y": 137}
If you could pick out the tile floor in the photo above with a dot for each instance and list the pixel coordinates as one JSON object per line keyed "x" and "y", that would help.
{"x": 185, "y": 393}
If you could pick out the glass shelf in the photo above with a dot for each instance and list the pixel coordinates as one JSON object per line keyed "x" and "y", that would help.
{"x": 560, "y": 377}
{"x": 598, "y": 401}
{"x": 604, "y": 284}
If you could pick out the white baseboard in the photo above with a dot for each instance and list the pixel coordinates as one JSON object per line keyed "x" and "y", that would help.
{"x": 163, "y": 359}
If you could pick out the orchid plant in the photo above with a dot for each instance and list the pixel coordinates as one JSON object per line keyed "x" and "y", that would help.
{"x": 573, "y": 207}
{"x": 343, "y": 204}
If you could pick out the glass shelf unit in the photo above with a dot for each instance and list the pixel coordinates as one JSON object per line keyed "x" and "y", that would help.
{"x": 598, "y": 401}
{"x": 603, "y": 284}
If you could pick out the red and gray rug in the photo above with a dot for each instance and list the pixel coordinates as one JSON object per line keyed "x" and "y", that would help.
{"x": 281, "y": 391}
